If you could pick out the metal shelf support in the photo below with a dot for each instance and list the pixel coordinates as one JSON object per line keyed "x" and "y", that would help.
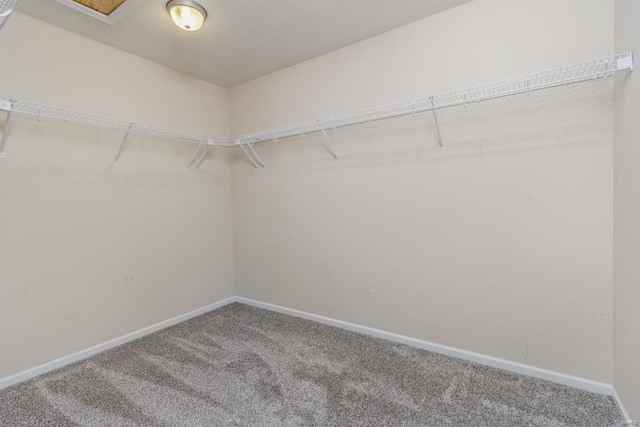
{"x": 328, "y": 141}
{"x": 6, "y": 106}
{"x": 241, "y": 145}
{"x": 198, "y": 154}
{"x": 250, "y": 145}
{"x": 202, "y": 156}
{"x": 201, "y": 150}
{"x": 124, "y": 142}
{"x": 435, "y": 120}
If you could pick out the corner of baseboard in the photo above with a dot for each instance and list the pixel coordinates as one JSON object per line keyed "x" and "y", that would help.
{"x": 621, "y": 406}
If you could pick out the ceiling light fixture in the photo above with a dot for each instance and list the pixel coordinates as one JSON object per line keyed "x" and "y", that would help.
{"x": 187, "y": 14}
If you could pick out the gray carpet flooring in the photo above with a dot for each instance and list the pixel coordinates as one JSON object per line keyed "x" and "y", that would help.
{"x": 239, "y": 366}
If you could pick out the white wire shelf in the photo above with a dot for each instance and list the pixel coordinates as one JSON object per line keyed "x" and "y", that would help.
{"x": 42, "y": 111}
{"x": 601, "y": 68}
{"x": 575, "y": 73}
{"x": 6, "y": 9}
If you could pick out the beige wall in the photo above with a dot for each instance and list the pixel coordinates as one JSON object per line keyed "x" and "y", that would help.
{"x": 501, "y": 245}
{"x": 90, "y": 252}
{"x": 626, "y": 208}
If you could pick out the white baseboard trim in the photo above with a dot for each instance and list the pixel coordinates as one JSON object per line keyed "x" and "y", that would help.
{"x": 83, "y": 354}
{"x": 495, "y": 362}
{"x": 618, "y": 401}
{"x": 564, "y": 379}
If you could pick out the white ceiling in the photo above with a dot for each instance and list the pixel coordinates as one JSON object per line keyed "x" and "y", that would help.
{"x": 242, "y": 39}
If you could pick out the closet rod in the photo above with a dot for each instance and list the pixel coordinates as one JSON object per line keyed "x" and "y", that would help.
{"x": 595, "y": 69}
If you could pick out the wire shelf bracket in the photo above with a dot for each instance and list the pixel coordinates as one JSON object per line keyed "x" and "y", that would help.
{"x": 5, "y": 106}
{"x": 328, "y": 141}
{"x": 257, "y": 161}
{"x": 256, "y": 156}
{"x": 199, "y": 155}
{"x": 122, "y": 144}
{"x": 435, "y": 120}
{"x": 7, "y": 7}
{"x": 201, "y": 159}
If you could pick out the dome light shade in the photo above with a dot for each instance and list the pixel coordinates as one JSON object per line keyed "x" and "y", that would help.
{"x": 187, "y": 14}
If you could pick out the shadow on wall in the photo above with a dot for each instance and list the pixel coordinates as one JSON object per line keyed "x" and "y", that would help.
{"x": 560, "y": 117}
